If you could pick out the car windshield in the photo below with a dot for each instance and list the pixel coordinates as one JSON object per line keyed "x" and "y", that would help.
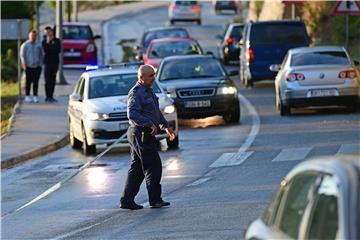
{"x": 320, "y": 58}
{"x": 188, "y": 68}
{"x": 114, "y": 85}
{"x": 278, "y": 33}
{"x": 163, "y": 34}
{"x": 165, "y": 49}
{"x": 77, "y": 32}
{"x": 186, "y": 3}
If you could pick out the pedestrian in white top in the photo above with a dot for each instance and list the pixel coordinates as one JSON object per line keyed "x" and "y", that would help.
{"x": 31, "y": 56}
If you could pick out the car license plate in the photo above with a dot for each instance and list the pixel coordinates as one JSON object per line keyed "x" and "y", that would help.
{"x": 323, "y": 93}
{"x": 124, "y": 126}
{"x": 72, "y": 54}
{"x": 195, "y": 104}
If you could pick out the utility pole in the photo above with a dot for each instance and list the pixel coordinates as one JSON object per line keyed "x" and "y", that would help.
{"x": 59, "y": 35}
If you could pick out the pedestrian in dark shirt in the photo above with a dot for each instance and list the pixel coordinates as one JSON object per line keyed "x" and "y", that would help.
{"x": 31, "y": 57}
{"x": 144, "y": 117}
{"x": 52, "y": 48}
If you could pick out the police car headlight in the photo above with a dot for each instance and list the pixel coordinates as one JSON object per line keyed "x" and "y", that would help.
{"x": 96, "y": 116}
{"x": 226, "y": 90}
{"x": 90, "y": 48}
{"x": 169, "y": 109}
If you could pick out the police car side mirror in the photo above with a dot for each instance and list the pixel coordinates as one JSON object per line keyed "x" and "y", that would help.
{"x": 97, "y": 37}
{"x": 75, "y": 97}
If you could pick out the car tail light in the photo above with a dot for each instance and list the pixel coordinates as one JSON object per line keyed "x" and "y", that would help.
{"x": 351, "y": 73}
{"x": 249, "y": 55}
{"x": 292, "y": 77}
{"x": 230, "y": 40}
{"x": 173, "y": 7}
{"x": 196, "y": 8}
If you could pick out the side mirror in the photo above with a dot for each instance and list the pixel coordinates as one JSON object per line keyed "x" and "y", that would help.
{"x": 97, "y": 37}
{"x": 275, "y": 67}
{"x": 233, "y": 72}
{"x": 75, "y": 97}
{"x": 356, "y": 62}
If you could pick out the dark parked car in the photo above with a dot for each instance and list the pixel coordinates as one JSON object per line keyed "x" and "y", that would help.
{"x": 156, "y": 33}
{"x": 318, "y": 199}
{"x": 266, "y": 43}
{"x": 220, "y": 5}
{"x": 200, "y": 87}
{"x": 229, "y": 48}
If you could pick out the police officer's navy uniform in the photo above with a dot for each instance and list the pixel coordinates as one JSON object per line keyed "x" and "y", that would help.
{"x": 143, "y": 113}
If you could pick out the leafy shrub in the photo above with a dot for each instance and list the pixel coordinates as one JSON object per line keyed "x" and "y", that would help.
{"x": 9, "y": 66}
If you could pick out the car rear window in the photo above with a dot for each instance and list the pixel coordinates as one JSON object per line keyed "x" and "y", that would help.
{"x": 186, "y": 3}
{"x": 165, "y": 49}
{"x": 278, "y": 33}
{"x": 236, "y": 32}
{"x": 188, "y": 68}
{"x": 77, "y": 32}
{"x": 319, "y": 58}
{"x": 114, "y": 85}
{"x": 163, "y": 34}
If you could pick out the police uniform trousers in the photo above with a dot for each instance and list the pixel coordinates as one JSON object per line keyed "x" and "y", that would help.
{"x": 145, "y": 163}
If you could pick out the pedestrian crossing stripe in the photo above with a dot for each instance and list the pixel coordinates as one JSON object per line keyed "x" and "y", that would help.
{"x": 231, "y": 159}
{"x": 353, "y": 148}
{"x": 292, "y": 154}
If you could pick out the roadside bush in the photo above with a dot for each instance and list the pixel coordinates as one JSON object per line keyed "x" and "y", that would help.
{"x": 9, "y": 66}
{"x": 325, "y": 28}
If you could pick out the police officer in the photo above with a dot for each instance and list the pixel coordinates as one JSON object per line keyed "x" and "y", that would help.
{"x": 144, "y": 118}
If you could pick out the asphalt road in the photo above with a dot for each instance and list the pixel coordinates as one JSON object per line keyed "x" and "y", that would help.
{"x": 220, "y": 178}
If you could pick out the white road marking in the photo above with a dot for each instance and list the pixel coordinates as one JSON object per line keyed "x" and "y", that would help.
{"x": 349, "y": 149}
{"x": 232, "y": 159}
{"x": 199, "y": 181}
{"x": 292, "y": 154}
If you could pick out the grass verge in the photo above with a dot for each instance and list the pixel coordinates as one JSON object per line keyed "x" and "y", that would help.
{"x": 9, "y": 94}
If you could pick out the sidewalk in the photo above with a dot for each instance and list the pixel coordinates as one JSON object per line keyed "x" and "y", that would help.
{"x": 40, "y": 128}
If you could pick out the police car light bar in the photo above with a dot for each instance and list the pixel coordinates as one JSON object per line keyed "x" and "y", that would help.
{"x": 110, "y": 66}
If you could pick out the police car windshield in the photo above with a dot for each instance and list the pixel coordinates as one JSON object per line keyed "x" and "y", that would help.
{"x": 191, "y": 68}
{"x": 114, "y": 85}
{"x": 165, "y": 49}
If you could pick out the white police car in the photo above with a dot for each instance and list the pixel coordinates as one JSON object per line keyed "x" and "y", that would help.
{"x": 97, "y": 110}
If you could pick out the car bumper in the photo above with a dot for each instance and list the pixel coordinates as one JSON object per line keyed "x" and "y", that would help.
{"x": 185, "y": 16}
{"x": 300, "y": 98}
{"x": 83, "y": 58}
{"x": 219, "y": 105}
{"x": 98, "y": 132}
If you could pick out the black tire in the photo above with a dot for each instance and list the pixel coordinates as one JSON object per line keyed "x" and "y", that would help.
{"x": 87, "y": 149}
{"x": 74, "y": 142}
{"x": 174, "y": 143}
{"x": 284, "y": 109}
{"x": 172, "y": 22}
{"x": 232, "y": 116}
{"x": 248, "y": 83}
{"x": 199, "y": 22}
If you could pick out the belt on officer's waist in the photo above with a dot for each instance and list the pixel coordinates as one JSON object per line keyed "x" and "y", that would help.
{"x": 141, "y": 128}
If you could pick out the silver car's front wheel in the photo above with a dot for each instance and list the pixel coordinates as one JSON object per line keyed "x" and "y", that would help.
{"x": 74, "y": 142}
{"x": 87, "y": 149}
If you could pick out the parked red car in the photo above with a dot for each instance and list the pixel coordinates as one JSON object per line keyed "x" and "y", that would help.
{"x": 164, "y": 47}
{"x": 79, "y": 44}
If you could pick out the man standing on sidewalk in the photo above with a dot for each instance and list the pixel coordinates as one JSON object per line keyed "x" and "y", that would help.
{"x": 31, "y": 60}
{"x": 52, "y": 48}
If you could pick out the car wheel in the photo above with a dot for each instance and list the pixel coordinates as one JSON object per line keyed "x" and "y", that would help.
{"x": 248, "y": 83}
{"x": 172, "y": 22}
{"x": 74, "y": 142}
{"x": 232, "y": 116}
{"x": 174, "y": 143}
{"x": 87, "y": 149}
{"x": 284, "y": 109}
{"x": 199, "y": 22}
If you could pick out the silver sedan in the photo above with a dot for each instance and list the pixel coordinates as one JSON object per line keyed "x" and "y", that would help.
{"x": 316, "y": 76}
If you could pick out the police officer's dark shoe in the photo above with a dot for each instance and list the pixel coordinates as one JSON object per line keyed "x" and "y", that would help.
{"x": 160, "y": 204}
{"x": 131, "y": 206}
